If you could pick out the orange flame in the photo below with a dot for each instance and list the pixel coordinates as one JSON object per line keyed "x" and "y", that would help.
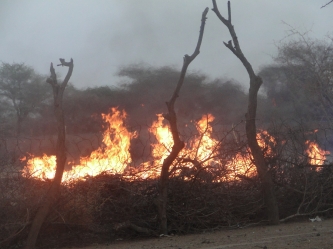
{"x": 200, "y": 148}
{"x": 41, "y": 167}
{"x": 317, "y": 156}
{"x": 266, "y": 142}
{"x": 114, "y": 157}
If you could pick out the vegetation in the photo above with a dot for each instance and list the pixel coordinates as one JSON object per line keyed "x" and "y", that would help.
{"x": 290, "y": 129}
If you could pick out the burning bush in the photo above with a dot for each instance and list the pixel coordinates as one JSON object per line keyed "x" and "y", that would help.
{"x": 212, "y": 184}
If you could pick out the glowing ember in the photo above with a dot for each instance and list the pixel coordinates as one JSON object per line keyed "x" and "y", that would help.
{"x": 317, "y": 156}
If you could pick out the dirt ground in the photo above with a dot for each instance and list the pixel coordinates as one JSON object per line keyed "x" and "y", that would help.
{"x": 305, "y": 234}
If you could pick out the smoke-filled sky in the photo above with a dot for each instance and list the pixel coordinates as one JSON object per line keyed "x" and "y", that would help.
{"x": 103, "y": 35}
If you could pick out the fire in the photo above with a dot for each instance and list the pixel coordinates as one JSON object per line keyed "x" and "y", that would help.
{"x": 241, "y": 165}
{"x": 266, "y": 142}
{"x": 113, "y": 156}
{"x": 201, "y": 150}
{"x": 41, "y": 167}
{"x": 164, "y": 138}
{"x": 317, "y": 156}
{"x": 205, "y": 143}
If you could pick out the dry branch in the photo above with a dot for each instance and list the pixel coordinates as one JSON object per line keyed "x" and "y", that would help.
{"x": 136, "y": 228}
{"x": 53, "y": 191}
{"x": 326, "y": 4}
{"x": 251, "y": 132}
{"x": 178, "y": 143}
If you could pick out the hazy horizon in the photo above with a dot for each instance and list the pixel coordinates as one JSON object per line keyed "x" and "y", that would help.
{"x": 102, "y": 36}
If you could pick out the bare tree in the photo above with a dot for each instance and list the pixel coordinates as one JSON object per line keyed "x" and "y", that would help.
{"x": 53, "y": 191}
{"x": 178, "y": 143}
{"x": 251, "y": 132}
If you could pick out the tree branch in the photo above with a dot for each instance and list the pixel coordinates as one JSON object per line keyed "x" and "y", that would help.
{"x": 53, "y": 77}
{"x": 305, "y": 214}
{"x": 52, "y": 193}
{"x": 250, "y": 126}
{"x": 229, "y": 12}
{"x": 326, "y": 4}
{"x": 70, "y": 66}
{"x": 234, "y": 44}
{"x": 128, "y": 224}
{"x": 178, "y": 143}
{"x": 188, "y": 59}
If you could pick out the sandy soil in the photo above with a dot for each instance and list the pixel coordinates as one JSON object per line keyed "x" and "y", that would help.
{"x": 306, "y": 234}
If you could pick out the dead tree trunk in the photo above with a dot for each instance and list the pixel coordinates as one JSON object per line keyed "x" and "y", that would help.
{"x": 178, "y": 143}
{"x": 53, "y": 192}
{"x": 251, "y": 133}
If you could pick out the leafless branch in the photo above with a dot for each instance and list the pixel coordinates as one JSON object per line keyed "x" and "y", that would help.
{"x": 255, "y": 83}
{"x": 305, "y": 214}
{"x": 172, "y": 118}
{"x": 188, "y": 59}
{"x": 234, "y": 44}
{"x": 326, "y": 4}
{"x": 128, "y": 224}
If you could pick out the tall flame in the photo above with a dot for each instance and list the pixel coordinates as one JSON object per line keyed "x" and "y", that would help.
{"x": 43, "y": 167}
{"x": 164, "y": 139}
{"x": 317, "y": 156}
{"x": 202, "y": 150}
{"x": 113, "y": 156}
{"x": 205, "y": 144}
{"x": 242, "y": 163}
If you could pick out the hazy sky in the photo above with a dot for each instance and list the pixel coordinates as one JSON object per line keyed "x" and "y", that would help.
{"x": 102, "y": 35}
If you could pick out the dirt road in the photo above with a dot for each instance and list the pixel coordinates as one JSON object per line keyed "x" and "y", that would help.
{"x": 306, "y": 235}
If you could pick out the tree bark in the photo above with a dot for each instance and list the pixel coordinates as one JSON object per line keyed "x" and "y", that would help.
{"x": 53, "y": 192}
{"x": 251, "y": 132}
{"x": 19, "y": 117}
{"x": 178, "y": 143}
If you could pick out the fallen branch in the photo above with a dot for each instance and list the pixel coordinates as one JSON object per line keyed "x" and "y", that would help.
{"x": 128, "y": 224}
{"x": 305, "y": 214}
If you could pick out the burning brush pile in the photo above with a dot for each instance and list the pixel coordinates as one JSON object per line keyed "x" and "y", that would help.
{"x": 113, "y": 156}
{"x": 203, "y": 149}
{"x": 107, "y": 195}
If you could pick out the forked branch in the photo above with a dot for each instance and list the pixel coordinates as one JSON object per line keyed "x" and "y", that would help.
{"x": 178, "y": 143}
{"x": 188, "y": 59}
{"x": 250, "y": 126}
{"x": 52, "y": 193}
{"x": 53, "y": 78}
{"x": 233, "y": 44}
{"x": 326, "y": 4}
